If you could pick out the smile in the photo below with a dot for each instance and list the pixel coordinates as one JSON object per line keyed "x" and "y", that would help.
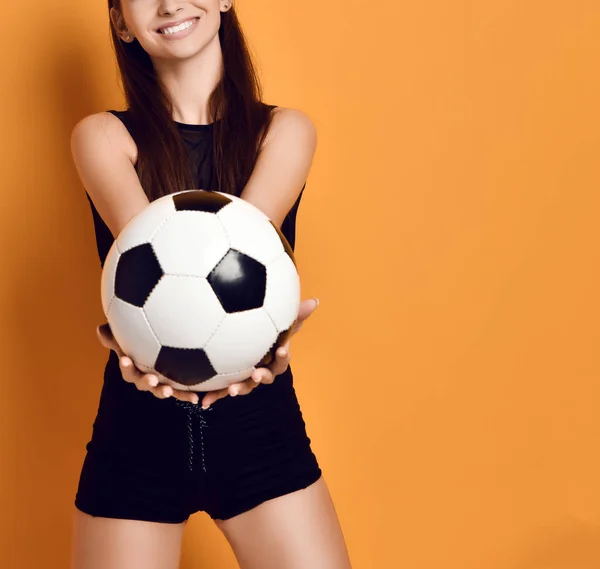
{"x": 180, "y": 29}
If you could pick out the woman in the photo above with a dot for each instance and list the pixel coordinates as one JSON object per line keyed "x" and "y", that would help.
{"x": 195, "y": 119}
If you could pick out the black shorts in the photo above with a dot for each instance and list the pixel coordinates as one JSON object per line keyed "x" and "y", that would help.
{"x": 162, "y": 460}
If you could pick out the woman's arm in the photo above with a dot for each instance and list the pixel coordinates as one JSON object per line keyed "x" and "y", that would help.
{"x": 279, "y": 174}
{"x": 283, "y": 164}
{"x": 104, "y": 154}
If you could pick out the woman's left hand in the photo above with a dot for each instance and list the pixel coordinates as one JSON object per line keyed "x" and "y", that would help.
{"x": 269, "y": 373}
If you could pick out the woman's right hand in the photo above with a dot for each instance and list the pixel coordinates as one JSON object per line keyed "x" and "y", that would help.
{"x": 143, "y": 381}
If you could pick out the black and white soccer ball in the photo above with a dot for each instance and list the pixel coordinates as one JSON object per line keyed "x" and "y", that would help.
{"x": 200, "y": 288}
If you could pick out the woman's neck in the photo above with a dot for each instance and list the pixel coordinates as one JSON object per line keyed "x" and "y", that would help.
{"x": 191, "y": 81}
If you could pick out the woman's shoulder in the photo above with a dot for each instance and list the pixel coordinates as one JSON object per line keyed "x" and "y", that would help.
{"x": 290, "y": 120}
{"x": 113, "y": 125}
{"x": 108, "y": 118}
{"x": 289, "y": 114}
{"x": 278, "y": 110}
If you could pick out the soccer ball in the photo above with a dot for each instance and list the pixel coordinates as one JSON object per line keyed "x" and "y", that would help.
{"x": 200, "y": 288}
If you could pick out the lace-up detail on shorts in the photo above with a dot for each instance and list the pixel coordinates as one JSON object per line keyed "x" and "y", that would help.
{"x": 194, "y": 413}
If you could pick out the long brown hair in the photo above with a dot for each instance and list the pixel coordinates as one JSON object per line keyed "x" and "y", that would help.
{"x": 243, "y": 119}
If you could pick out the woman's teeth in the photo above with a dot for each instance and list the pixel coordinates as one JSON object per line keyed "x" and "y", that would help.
{"x": 178, "y": 28}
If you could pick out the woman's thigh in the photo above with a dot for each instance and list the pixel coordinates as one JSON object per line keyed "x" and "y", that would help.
{"x": 110, "y": 543}
{"x": 299, "y": 530}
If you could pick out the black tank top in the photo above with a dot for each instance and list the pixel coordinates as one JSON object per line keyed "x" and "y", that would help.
{"x": 198, "y": 141}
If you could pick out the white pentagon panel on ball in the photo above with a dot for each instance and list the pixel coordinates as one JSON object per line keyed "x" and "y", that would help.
{"x": 183, "y": 311}
{"x": 131, "y": 331}
{"x": 107, "y": 281}
{"x": 142, "y": 227}
{"x": 250, "y": 232}
{"x": 282, "y": 299}
{"x": 190, "y": 243}
{"x": 242, "y": 340}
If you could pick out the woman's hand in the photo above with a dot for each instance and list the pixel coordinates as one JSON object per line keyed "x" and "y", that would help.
{"x": 265, "y": 374}
{"x": 143, "y": 381}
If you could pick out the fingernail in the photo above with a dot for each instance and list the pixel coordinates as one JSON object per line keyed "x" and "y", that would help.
{"x": 167, "y": 392}
{"x": 195, "y": 400}
{"x": 258, "y": 378}
{"x": 205, "y": 406}
{"x": 126, "y": 362}
{"x": 234, "y": 391}
{"x": 153, "y": 380}
{"x": 317, "y": 301}
{"x": 281, "y": 352}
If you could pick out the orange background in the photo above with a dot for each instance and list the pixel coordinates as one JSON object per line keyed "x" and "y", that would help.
{"x": 450, "y": 377}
